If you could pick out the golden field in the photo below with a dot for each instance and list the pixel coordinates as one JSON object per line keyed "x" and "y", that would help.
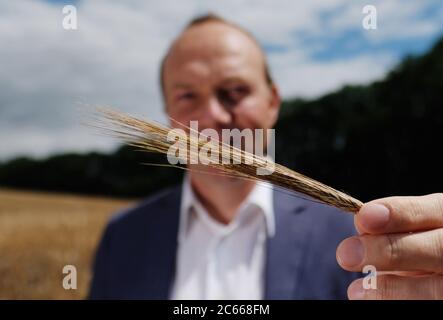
{"x": 40, "y": 233}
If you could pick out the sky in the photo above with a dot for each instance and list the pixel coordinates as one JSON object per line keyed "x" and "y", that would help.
{"x": 48, "y": 73}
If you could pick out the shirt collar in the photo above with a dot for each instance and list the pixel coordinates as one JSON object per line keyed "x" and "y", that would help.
{"x": 261, "y": 196}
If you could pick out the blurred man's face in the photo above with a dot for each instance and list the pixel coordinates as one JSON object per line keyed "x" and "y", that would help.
{"x": 215, "y": 74}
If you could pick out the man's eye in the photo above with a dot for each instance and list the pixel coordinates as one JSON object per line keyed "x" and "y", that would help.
{"x": 186, "y": 96}
{"x": 237, "y": 92}
{"x": 232, "y": 96}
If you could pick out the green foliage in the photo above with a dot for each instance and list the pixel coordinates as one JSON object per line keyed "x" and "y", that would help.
{"x": 121, "y": 174}
{"x": 372, "y": 141}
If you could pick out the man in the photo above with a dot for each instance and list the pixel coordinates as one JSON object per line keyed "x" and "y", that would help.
{"x": 217, "y": 237}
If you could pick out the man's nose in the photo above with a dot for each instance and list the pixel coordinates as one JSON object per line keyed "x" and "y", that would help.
{"x": 216, "y": 114}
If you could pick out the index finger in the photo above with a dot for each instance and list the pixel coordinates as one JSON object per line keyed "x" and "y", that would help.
{"x": 401, "y": 214}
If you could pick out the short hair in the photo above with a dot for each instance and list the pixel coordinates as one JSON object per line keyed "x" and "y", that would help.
{"x": 211, "y": 17}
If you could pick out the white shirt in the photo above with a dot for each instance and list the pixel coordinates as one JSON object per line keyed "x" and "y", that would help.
{"x": 218, "y": 261}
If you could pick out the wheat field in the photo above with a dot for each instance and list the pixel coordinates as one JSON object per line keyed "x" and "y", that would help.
{"x": 40, "y": 233}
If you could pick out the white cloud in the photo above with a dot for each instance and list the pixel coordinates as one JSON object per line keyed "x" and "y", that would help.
{"x": 310, "y": 79}
{"x": 113, "y": 58}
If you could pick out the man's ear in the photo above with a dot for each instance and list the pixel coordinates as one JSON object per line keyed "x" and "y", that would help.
{"x": 274, "y": 105}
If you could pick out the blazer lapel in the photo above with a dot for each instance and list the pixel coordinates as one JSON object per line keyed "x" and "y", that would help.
{"x": 284, "y": 251}
{"x": 160, "y": 263}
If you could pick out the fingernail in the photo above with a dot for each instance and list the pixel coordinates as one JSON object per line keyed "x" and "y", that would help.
{"x": 356, "y": 290}
{"x": 350, "y": 252}
{"x": 373, "y": 216}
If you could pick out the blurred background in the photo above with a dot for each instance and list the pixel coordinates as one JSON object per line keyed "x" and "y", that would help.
{"x": 362, "y": 111}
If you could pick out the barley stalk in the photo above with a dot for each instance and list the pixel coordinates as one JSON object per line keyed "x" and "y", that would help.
{"x": 151, "y": 136}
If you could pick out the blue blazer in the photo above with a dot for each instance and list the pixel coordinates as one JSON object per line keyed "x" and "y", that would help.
{"x": 136, "y": 257}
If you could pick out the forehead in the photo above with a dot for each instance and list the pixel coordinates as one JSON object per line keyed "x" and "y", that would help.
{"x": 213, "y": 50}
